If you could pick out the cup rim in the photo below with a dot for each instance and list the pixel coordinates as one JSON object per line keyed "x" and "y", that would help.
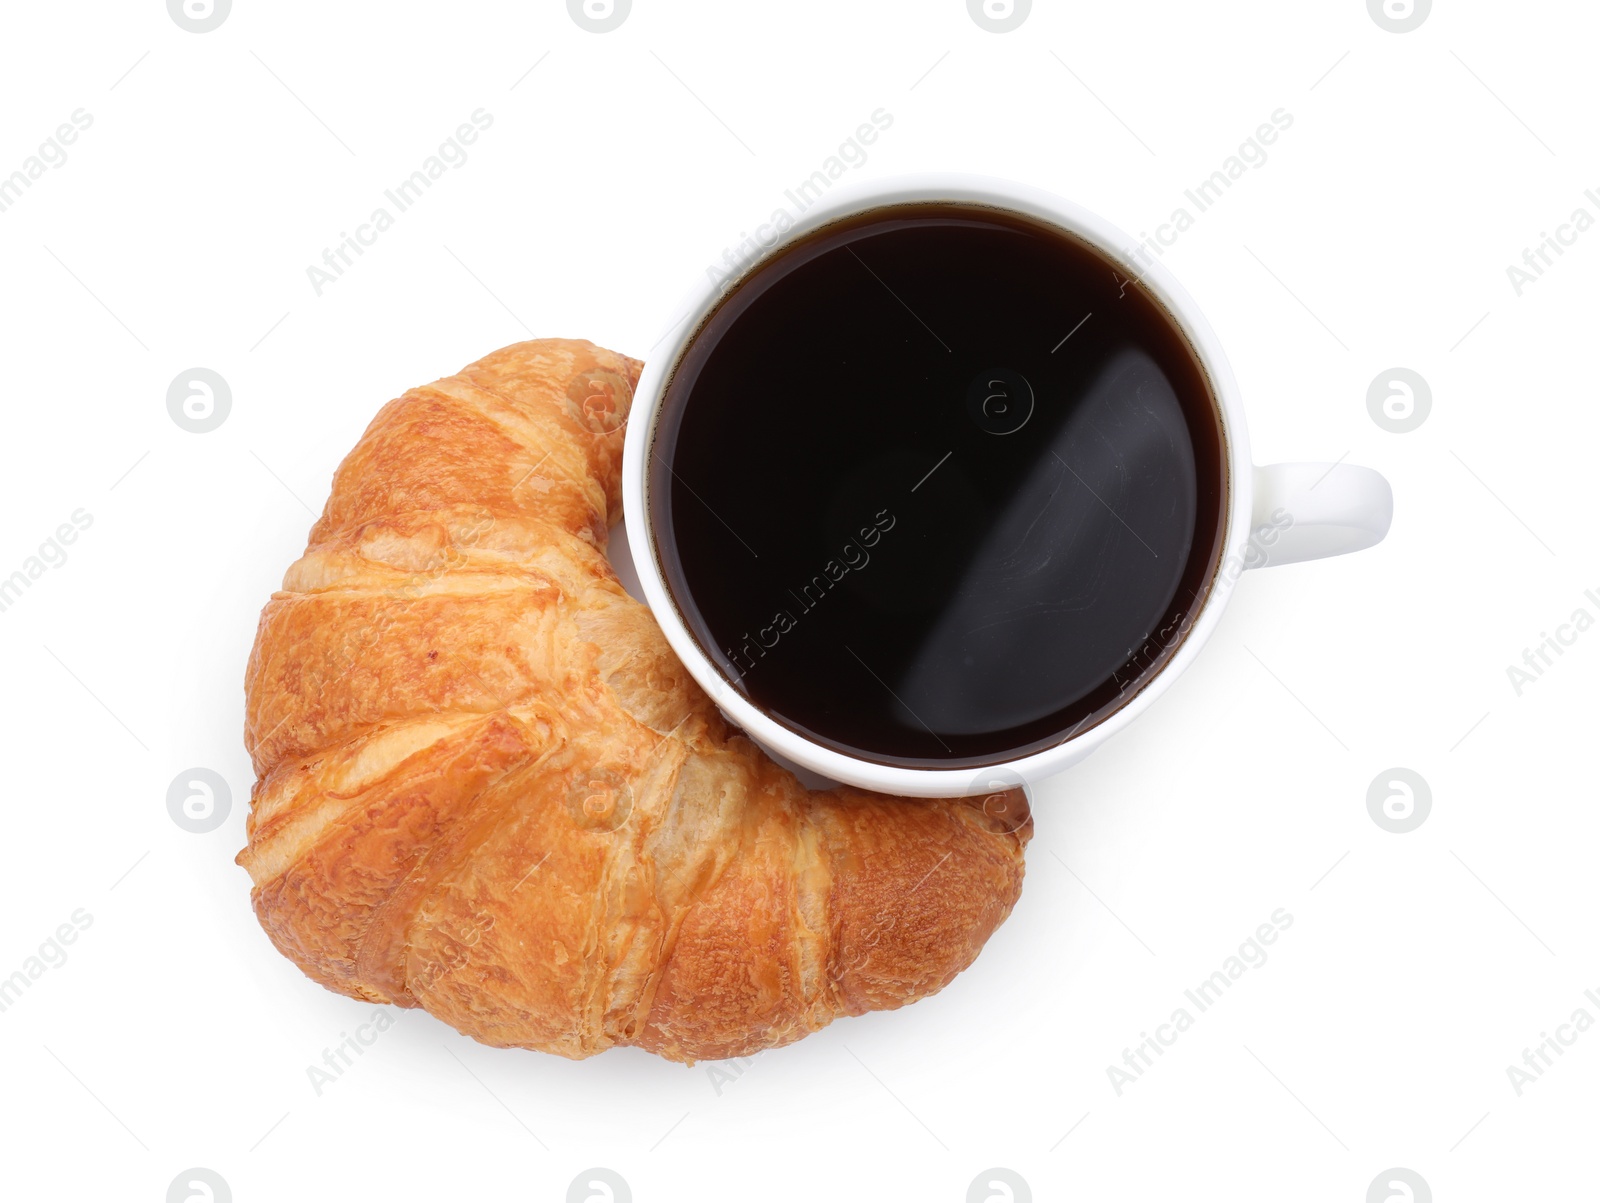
{"x": 1028, "y": 201}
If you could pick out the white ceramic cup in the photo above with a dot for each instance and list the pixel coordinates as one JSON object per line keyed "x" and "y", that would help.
{"x": 1332, "y": 508}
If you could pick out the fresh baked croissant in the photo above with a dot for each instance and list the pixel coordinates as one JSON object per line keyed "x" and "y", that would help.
{"x": 486, "y": 786}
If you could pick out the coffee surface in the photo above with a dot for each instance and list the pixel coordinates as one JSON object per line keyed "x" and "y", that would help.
{"x": 937, "y": 486}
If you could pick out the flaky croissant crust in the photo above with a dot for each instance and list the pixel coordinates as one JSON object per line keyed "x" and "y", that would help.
{"x": 486, "y": 786}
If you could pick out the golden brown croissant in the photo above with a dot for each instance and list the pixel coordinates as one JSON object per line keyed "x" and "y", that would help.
{"x": 487, "y": 787}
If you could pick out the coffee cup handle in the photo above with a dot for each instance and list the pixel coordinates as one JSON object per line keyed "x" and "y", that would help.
{"x": 1311, "y": 511}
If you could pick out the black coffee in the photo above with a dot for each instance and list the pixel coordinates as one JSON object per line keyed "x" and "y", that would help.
{"x": 938, "y": 486}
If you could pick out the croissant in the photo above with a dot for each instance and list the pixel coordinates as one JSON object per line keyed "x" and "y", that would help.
{"x": 486, "y": 787}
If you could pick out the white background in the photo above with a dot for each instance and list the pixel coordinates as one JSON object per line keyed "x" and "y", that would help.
{"x": 1418, "y": 967}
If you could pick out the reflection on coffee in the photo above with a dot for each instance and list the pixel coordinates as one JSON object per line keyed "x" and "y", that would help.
{"x": 938, "y": 485}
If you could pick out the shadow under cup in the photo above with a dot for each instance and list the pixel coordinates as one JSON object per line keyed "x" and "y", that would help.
{"x": 938, "y": 485}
